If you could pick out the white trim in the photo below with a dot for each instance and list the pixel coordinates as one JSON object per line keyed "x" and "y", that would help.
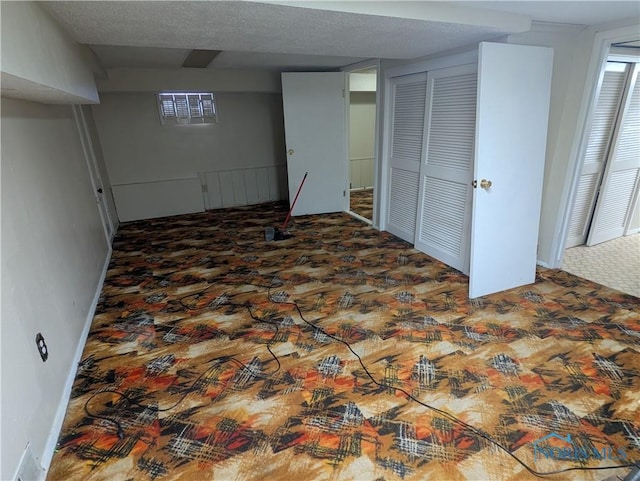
{"x": 359, "y": 217}
{"x": 374, "y": 62}
{"x": 56, "y": 426}
{"x": 470, "y": 56}
{"x": 542, "y": 264}
{"x": 599, "y": 54}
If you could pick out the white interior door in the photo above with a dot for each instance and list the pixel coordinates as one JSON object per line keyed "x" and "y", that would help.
{"x": 514, "y": 84}
{"x": 407, "y": 116}
{"x": 94, "y": 171}
{"x": 315, "y": 113}
{"x": 619, "y": 187}
{"x": 446, "y": 171}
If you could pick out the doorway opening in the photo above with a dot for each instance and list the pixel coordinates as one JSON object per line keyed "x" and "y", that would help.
{"x": 362, "y": 141}
{"x": 605, "y": 220}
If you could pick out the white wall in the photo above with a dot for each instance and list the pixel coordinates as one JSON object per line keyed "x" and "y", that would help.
{"x": 40, "y": 61}
{"x": 572, "y": 51}
{"x": 362, "y": 124}
{"x": 249, "y": 134}
{"x": 53, "y": 254}
{"x": 581, "y": 57}
{"x": 121, "y": 80}
{"x": 102, "y": 168}
{"x": 136, "y": 148}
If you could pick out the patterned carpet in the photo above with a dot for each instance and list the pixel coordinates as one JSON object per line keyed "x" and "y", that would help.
{"x": 361, "y": 202}
{"x": 199, "y": 367}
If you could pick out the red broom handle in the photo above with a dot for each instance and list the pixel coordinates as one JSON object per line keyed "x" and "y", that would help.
{"x": 284, "y": 225}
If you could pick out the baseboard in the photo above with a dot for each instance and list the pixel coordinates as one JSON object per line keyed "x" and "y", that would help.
{"x": 542, "y": 263}
{"x": 359, "y": 217}
{"x": 56, "y": 427}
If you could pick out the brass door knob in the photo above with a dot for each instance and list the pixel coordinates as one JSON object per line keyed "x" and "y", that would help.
{"x": 485, "y": 184}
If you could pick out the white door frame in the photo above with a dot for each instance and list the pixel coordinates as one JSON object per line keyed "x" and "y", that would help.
{"x": 381, "y": 175}
{"x": 599, "y": 55}
{"x": 373, "y": 62}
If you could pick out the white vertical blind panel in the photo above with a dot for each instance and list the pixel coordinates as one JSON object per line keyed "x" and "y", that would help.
{"x": 453, "y": 121}
{"x": 226, "y": 189}
{"x": 444, "y": 215}
{"x": 275, "y": 182}
{"x": 214, "y": 191}
{"x": 239, "y": 189}
{"x": 408, "y": 120}
{"x": 248, "y": 186}
{"x": 262, "y": 183}
{"x": 403, "y": 203}
{"x": 251, "y": 186}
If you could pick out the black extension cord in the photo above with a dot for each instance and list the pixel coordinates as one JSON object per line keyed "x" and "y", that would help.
{"x": 223, "y": 359}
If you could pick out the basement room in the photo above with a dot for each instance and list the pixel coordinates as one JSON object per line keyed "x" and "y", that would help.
{"x": 320, "y": 240}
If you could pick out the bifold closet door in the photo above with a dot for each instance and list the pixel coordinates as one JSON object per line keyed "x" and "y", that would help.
{"x": 597, "y": 151}
{"x": 446, "y": 171}
{"x": 619, "y": 187}
{"x": 408, "y": 94}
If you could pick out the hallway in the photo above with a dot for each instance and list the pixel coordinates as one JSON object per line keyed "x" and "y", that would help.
{"x": 615, "y": 263}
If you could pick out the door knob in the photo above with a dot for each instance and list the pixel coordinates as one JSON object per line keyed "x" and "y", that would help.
{"x": 485, "y": 184}
{"x": 290, "y": 152}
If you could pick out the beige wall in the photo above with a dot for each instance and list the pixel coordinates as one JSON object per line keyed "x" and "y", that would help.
{"x": 153, "y": 80}
{"x": 53, "y": 253}
{"x": 136, "y": 148}
{"x": 40, "y": 61}
{"x": 362, "y": 123}
{"x": 572, "y": 52}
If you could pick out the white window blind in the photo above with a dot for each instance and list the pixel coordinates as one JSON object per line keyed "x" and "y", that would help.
{"x": 187, "y": 108}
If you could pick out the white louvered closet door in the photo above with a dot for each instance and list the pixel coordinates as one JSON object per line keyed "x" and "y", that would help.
{"x": 405, "y": 152}
{"x": 595, "y": 157}
{"x": 620, "y": 184}
{"x": 446, "y": 171}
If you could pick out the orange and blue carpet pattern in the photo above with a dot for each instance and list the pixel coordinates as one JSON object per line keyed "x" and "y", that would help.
{"x": 199, "y": 366}
{"x": 361, "y": 202}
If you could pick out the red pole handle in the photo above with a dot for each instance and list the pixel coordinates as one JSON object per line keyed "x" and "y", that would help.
{"x": 284, "y": 225}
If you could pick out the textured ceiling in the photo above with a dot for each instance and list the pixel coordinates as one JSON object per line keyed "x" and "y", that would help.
{"x": 284, "y": 37}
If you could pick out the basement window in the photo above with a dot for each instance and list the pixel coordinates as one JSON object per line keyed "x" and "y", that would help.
{"x": 187, "y": 108}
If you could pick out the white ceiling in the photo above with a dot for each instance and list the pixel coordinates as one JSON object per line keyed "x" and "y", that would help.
{"x": 317, "y": 35}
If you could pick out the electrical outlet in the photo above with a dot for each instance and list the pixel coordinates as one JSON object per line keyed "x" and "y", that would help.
{"x": 42, "y": 347}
